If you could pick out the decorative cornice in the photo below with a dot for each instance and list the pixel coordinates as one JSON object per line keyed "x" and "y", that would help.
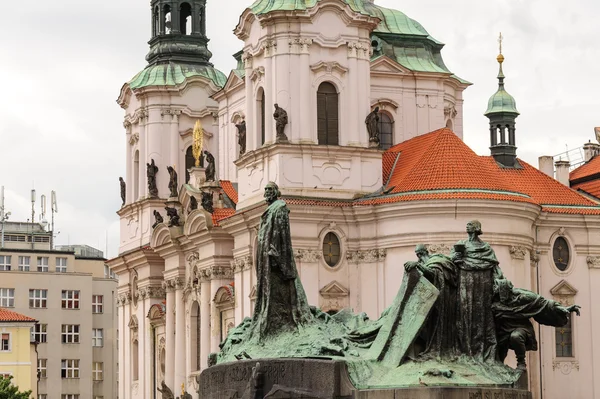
{"x": 247, "y": 59}
{"x": 517, "y": 252}
{"x": 565, "y": 366}
{"x": 308, "y": 255}
{"x": 443, "y": 249}
{"x": 258, "y": 74}
{"x": 124, "y": 299}
{"x": 300, "y": 45}
{"x": 366, "y": 256}
{"x": 241, "y": 263}
{"x": 170, "y": 111}
{"x": 329, "y": 67}
{"x": 216, "y": 272}
{"x": 152, "y": 292}
{"x": 269, "y": 47}
{"x": 593, "y": 262}
{"x": 359, "y": 50}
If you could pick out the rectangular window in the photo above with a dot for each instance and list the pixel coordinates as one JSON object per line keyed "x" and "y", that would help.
{"x": 24, "y": 262}
{"x": 69, "y": 396}
{"x": 7, "y": 297}
{"x": 39, "y": 333}
{"x": 5, "y": 262}
{"x": 97, "y": 371}
{"x": 42, "y": 264}
{"x": 42, "y": 368}
{"x": 97, "y": 337}
{"x": 97, "y": 304}
{"x": 5, "y": 343}
{"x": 61, "y": 265}
{"x": 38, "y": 298}
{"x": 69, "y": 368}
{"x": 70, "y": 299}
{"x": 42, "y": 396}
{"x": 564, "y": 340}
{"x": 70, "y": 333}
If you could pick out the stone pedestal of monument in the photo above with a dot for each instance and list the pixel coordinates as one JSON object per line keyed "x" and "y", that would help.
{"x": 323, "y": 379}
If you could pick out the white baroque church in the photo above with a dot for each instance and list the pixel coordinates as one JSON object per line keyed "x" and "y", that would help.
{"x": 357, "y": 211}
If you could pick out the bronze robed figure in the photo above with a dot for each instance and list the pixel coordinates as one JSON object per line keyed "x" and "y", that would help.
{"x": 172, "y": 182}
{"x": 241, "y": 128}
{"x": 123, "y": 190}
{"x": 281, "y": 120}
{"x": 151, "y": 171}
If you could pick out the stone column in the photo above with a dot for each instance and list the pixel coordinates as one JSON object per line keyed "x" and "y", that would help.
{"x": 129, "y": 142}
{"x": 170, "y": 336}
{"x": 174, "y": 143}
{"x": 252, "y": 131}
{"x": 180, "y": 330}
{"x": 125, "y": 346}
{"x": 143, "y": 159}
{"x": 204, "y": 322}
{"x": 122, "y": 325}
{"x": 270, "y": 94}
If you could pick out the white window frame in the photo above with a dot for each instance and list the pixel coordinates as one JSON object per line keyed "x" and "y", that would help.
{"x": 97, "y": 371}
{"x": 70, "y": 299}
{"x": 70, "y": 368}
{"x": 61, "y": 265}
{"x": 7, "y": 297}
{"x": 39, "y": 331}
{"x": 69, "y": 396}
{"x": 70, "y": 334}
{"x": 5, "y": 263}
{"x": 24, "y": 263}
{"x": 97, "y": 303}
{"x": 8, "y": 342}
{"x": 41, "y": 265}
{"x": 39, "y": 298}
{"x": 42, "y": 396}
{"x": 42, "y": 368}
{"x": 98, "y": 337}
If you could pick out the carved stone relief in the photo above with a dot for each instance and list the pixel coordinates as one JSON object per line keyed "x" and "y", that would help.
{"x": 216, "y": 272}
{"x": 565, "y": 366}
{"x": 176, "y": 283}
{"x": 134, "y": 138}
{"x": 444, "y": 249}
{"x": 517, "y": 253}
{"x": 241, "y": 263}
{"x": 359, "y": 50}
{"x": 366, "y": 256}
{"x": 300, "y": 45}
{"x": 307, "y": 255}
{"x": 151, "y": 292}
{"x": 593, "y": 262}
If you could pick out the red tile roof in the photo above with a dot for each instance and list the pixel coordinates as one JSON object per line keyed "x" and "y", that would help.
{"x": 590, "y": 168}
{"x": 591, "y": 187}
{"x": 10, "y": 316}
{"x": 220, "y": 214}
{"x": 227, "y": 186}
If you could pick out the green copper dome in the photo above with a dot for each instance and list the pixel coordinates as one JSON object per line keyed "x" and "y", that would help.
{"x": 501, "y": 101}
{"x": 172, "y": 74}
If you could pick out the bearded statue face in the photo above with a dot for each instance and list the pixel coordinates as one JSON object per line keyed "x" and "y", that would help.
{"x": 271, "y": 193}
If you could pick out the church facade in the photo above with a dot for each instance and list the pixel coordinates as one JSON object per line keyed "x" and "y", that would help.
{"x": 358, "y": 207}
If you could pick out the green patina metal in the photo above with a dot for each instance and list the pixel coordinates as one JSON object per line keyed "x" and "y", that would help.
{"x": 172, "y": 74}
{"x": 501, "y": 101}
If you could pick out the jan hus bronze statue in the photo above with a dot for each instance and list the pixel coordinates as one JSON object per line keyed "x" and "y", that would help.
{"x": 281, "y": 302}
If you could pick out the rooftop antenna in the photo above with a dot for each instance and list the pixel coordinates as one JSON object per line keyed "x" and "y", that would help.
{"x": 3, "y": 215}
{"x": 53, "y": 209}
{"x": 43, "y": 220}
{"x": 32, "y": 215}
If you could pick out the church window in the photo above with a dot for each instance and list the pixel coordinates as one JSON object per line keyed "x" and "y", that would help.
{"x": 261, "y": 115}
{"x": 331, "y": 249}
{"x": 155, "y": 19}
{"x": 327, "y": 114}
{"x": 136, "y": 176}
{"x": 195, "y": 335}
{"x": 386, "y": 131}
{"x": 564, "y": 340}
{"x": 560, "y": 254}
{"x": 185, "y": 18}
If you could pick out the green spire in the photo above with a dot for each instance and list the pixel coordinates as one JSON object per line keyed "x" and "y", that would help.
{"x": 501, "y": 101}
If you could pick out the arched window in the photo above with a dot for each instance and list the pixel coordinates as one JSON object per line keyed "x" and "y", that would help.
{"x": 185, "y": 18}
{"x": 195, "y": 335}
{"x": 190, "y": 162}
{"x": 327, "y": 114}
{"x": 386, "y": 131}
{"x": 560, "y": 254}
{"x": 155, "y": 19}
{"x": 167, "y": 19}
{"x": 261, "y": 114}
{"x": 136, "y": 176}
{"x": 331, "y": 249}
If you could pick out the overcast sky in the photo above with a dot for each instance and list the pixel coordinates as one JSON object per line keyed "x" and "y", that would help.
{"x": 63, "y": 64}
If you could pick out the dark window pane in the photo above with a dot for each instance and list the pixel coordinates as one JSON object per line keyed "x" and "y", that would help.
{"x": 564, "y": 340}
{"x": 560, "y": 254}
{"x": 386, "y": 131}
{"x": 327, "y": 114}
{"x": 331, "y": 249}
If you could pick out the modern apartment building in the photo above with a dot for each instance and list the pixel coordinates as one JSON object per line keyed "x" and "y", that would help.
{"x": 72, "y": 297}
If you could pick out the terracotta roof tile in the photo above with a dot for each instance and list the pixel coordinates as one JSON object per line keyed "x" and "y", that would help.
{"x": 9, "y": 315}
{"x": 589, "y": 168}
{"x": 590, "y": 187}
{"x": 220, "y": 214}
{"x": 227, "y": 186}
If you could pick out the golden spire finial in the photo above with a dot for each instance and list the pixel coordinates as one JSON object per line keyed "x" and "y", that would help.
{"x": 182, "y": 388}
{"x": 500, "y": 57}
{"x": 198, "y": 142}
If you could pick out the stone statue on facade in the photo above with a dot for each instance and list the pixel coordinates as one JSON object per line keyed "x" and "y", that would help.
{"x": 281, "y": 120}
{"x": 173, "y": 216}
{"x": 241, "y": 128}
{"x": 172, "y": 182}
{"x": 193, "y": 203}
{"x": 151, "y": 171}
{"x": 513, "y": 309}
{"x": 123, "y": 190}
{"x": 210, "y": 166}
{"x": 372, "y": 122}
{"x": 281, "y": 302}
{"x": 158, "y": 219}
{"x": 165, "y": 391}
{"x": 207, "y": 201}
